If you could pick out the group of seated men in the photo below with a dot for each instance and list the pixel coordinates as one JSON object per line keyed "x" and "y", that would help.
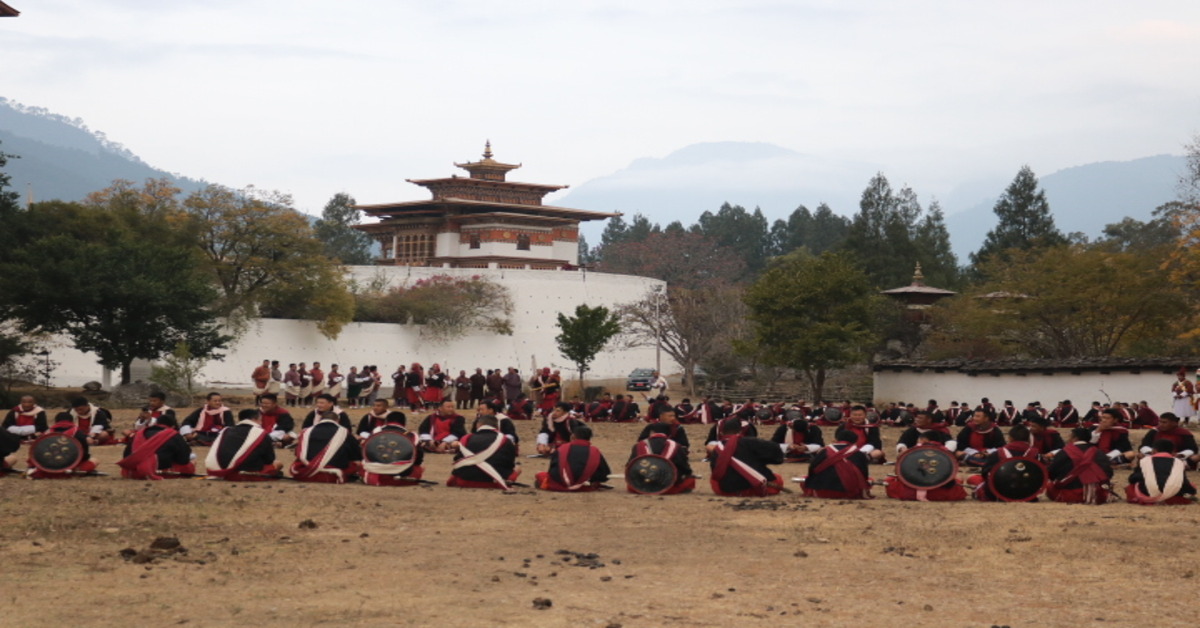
{"x": 486, "y": 453}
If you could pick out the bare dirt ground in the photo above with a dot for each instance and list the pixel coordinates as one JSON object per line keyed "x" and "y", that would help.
{"x": 454, "y": 557}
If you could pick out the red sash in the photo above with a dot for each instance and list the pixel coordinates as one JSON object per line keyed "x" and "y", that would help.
{"x": 850, "y": 476}
{"x": 1105, "y": 443}
{"x": 1085, "y": 468}
{"x": 860, "y": 432}
{"x": 669, "y": 447}
{"x": 211, "y": 421}
{"x": 725, "y": 459}
{"x": 144, "y": 458}
{"x": 269, "y": 420}
{"x": 66, "y": 428}
{"x": 564, "y": 466}
{"x": 1175, "y": 436}
{"x": 313, "y": 466}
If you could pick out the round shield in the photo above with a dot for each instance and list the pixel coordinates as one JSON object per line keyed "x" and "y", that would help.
{"x": 388, "y": 447}
{"x": 764, "y": 414}
{"x": 1018, "y": 479}
{"x": 55, "y": 453}
{"x": 926, "y": 468}
{"x": 793, "y": 414}
{"x": 650, "y": 475}
{"x": 832, "y": 415}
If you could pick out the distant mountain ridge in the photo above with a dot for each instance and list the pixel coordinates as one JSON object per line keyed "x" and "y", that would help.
{"x": 700, "y": 177}
{"x": 61, "y": 158}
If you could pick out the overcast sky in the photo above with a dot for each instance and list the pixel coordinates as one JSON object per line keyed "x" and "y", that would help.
{"x": 313, "y": 98}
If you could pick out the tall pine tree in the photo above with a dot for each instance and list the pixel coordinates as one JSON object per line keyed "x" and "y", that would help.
{"x": 1025, "y": 221}
{"x": 336, "y": 231}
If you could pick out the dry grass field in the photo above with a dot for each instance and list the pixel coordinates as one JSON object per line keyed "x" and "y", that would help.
{"x": 437, "y": 556}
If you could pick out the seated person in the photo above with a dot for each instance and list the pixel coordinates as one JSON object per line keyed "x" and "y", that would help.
{"x": 951, "y": 491}
{"x": 669, "y": 417}
{"x": 1181, "y": 437}
{"x": 10, "y": 444}
{"x": 396, "y": 472}
{"x": 276, "y": 420}
{"x": 739, "y": 463}
{"x": 658, "y": 442}
{"x": 715, "y": 433}
{"x": 1113, "y": 439}
{"x": 441, "y": 431}
{"x": 157, "y": 452}
{"x": 505, "y": 423}
{"x": 93, "y": 421}
{"x": 27, "y": 420}
{"x": 1017, "y": 447}
{"x": 839, "y": 470}
{"x": 979, "y": 438}
{"x": 1044, "y": 440}
{"x": 243, "y": 453}
{"x": 1160, "y": 478}
{"x": 798, "y": 439}
{"x": 866, "y": 434}
{"x": 375, "y": 417}
{"x": 326, "y": 452}
{"x": 156, "y": 406}
{"x": 1080, "y": 473}
{"x": 202, "y": 426}
{"x": 924, "y": 430}
{"x": 85, "y": 465}
{"x": 485, "y": 459}
{"x": 557, "y": 429}
{"x": 576, "y": 466}
{"x": 324, "y": 404}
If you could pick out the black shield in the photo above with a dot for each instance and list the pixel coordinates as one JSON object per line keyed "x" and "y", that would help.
{"x": 793, "y": 414}
{"x": 1018, "y": 479}
{"x": 764, "y": 414}
{"x": 832, "y": 415}
{"x": 388, "y": 447}
{"x": 650, "y": 475}
{"x": 925, "y": 468}
{"x": 56, "y": 453}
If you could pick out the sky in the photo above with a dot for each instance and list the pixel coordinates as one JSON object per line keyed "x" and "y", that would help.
{"x": 315, "y": 98}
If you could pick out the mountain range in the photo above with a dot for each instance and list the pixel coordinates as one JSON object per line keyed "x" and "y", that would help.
{"x": 61, "y": 158}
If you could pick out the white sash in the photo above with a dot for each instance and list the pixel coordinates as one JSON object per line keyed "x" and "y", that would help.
{"x": 480, "y": 459}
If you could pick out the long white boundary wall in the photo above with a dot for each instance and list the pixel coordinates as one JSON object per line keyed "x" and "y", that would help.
{"x": 538, "y": 297}
{"x": 1152, "y": 386}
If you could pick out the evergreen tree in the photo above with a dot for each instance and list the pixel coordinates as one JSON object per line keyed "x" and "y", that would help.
{"x": 584, "y": 335}
{"x": 746, "y": 233}
{"x": 9, "y": 199}
{"x": 938, "y": 261}
{"x": 336, "y": 230}
{"x": 1025, "y": 221}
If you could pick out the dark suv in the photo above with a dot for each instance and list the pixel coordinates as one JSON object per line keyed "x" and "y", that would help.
{"x": 640, "y": 379}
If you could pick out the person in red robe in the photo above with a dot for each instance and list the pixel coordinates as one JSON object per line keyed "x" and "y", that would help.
{"x": 1018, "y": 446}
{"x": 27, "y": 420}
{"x": 659, "y": 443}
{"x": 157, "y": 452}
{"x": 261, "y": 376}
{"x": 1080, "y": 473}
{"x": 839, "y": 470}
{"x": 485, "y": 459}
{"x": 740, "y": 464}
{"x": 441, "y": 431}
{"x": 1160, "y": 479}
{"x": 92, "y": 420}
{"x": 398, "y": 472}
{"x": 243, "y": 453}
{"x": 576, "y": 466}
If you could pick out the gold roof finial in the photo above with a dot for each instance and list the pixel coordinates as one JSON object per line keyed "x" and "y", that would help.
{"x": 487, "y": 150}
{"x": 918, "y": 276}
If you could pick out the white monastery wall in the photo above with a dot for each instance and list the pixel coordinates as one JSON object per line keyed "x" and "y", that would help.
{"x": 538, "y": 297}
{"x": 1152, "y": 386}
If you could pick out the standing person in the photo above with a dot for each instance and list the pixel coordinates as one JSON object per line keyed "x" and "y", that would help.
{"x": 435, "y": 387}
{"x": 276, "y": 383}
{"x": 318, "y": 379}
{"x": 659, "y": 385}
{"x": 365, "y": 382}
{"x": 1182, "y": 392}
{"x": 261, "y": 376}
{"x": 462, "y": 391}
{"x": 305, "y": 384}
{"x": 512, "y": 385}
{"x": 375, "y": 383}
{"x": 551, "y": 390}
{"x": 398, "y": 397}
{"x": 414, "y": 386}
{"x": 495, "y": 385}
{"x": 353, "y": 387}
{"x": 478, "y": 384}
{"x": 334, "y": 382}
{"x": 292, "y": 385}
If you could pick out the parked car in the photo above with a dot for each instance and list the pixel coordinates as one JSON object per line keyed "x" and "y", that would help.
{"x": 640, "y": 379}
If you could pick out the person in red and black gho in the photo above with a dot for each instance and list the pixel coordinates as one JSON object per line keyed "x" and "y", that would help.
{"x": 979, "y": 438}
{"x": 839, "y": 471}
{"x": 85, "y": 466}
{"x": 1181, "y": 437}
{"x": 798, "y": 439}
{"x": 924, "y": 430}
{"x": 1080, "y": 473}
{"x": 202, "y": 425}
{"x": 658, "y": 442}
{"x": 1018, "y": 447}
{"x": 94, "y": 421}
{"x": 676, "y": 431}
{"x": 375, "y": 417}
{"x": 577, "y": 466}
{"x": 1045, "y": 440}
{"x": 1112, "y": 438}
{"x": 485, "y": 459}
{"x": 739, "y": 463}
{"x": 276, "y": 420}
{"x": 866, "y": 434}
{"x": 157, "y": 452}
{"x": 326, "y": 453}
{"x": 1160, "y": 478}
{"x": 397, "y": 472}
{"x": 243, "y": 453}
{"x": 27, "y": 420}
{"x": 441, "y": 431}
{"x": 557, "y": 428}
{"x": 322, "y": 405}
{"x": 1065, "y": 415}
